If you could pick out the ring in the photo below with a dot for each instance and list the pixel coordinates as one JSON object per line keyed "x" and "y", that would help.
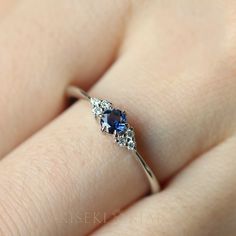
{"x": 114, "y": 121}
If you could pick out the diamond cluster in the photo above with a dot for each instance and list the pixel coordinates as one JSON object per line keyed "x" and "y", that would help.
{"x": 100, "y": 106}
{"x": 127, "y": 139}
{"x": 114, "y": 121}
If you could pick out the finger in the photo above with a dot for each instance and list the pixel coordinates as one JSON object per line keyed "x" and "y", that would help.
{"x": 199, "y": 201}
{"x": 45, "y": 46}
{"x": 67, "y": 179}
{"x": 181, "y": 107}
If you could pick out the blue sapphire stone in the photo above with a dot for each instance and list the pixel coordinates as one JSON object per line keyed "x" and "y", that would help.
{"x": 114, "y": 120}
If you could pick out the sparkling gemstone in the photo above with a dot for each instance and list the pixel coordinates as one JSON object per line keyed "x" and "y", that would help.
{"x": 95, "y": 102}
{"x": 120, "y": 127}
{"x": 121, "y": 140}
{"x": 114, "y": 120}
{"x": 131, "y": 145}
{"x": 130, "y": 133}
{"x": 105, "y": 105}
{"x": 97, "y": 111}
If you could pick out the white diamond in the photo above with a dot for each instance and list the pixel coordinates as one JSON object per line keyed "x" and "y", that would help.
{"x": 121, "y": 140}
{"x": 106, "y": 105}
{"x": 95, "y": 102}
{"x": 131, "y": 145}
{"x": 130, "y": 133}
{"x": 97, "y": 111}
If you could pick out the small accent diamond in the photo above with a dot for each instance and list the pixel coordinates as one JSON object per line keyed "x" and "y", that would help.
{"x": 95, "y": 102}
{"x": 106, "y": 105}
{"x": 131, "y": 145}
{"x": 97, "y": 111}
{"x": 121, "y": 140}
{"x": 130, "y": 133}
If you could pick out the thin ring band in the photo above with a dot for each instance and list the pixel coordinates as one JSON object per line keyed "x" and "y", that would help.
{"x": 114, "y": 121}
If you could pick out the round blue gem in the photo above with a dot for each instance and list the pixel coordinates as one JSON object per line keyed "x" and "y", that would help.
{"x": 114, "y": 120}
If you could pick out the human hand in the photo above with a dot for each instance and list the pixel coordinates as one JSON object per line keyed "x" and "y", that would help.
{"x": 171, "y": 65}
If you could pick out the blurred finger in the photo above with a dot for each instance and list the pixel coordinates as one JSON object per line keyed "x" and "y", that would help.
{"x": 45, "y": 45}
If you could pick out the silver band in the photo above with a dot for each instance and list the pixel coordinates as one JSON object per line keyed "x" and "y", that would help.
{"x": 122, "y": 131}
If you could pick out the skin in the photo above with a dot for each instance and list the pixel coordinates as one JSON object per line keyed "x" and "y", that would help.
{"x": 170, "y": 65}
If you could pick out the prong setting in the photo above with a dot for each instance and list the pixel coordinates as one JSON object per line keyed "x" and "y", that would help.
{"x": 103, "y": 129}
{"x": 114, "y": 121}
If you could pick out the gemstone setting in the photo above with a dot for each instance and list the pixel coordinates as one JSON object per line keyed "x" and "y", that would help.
{"x": 106, "y": 105}
{"x": 100, "y": 106}
{"x": 127, "y": 139}
{"x": 113, "y": 121}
